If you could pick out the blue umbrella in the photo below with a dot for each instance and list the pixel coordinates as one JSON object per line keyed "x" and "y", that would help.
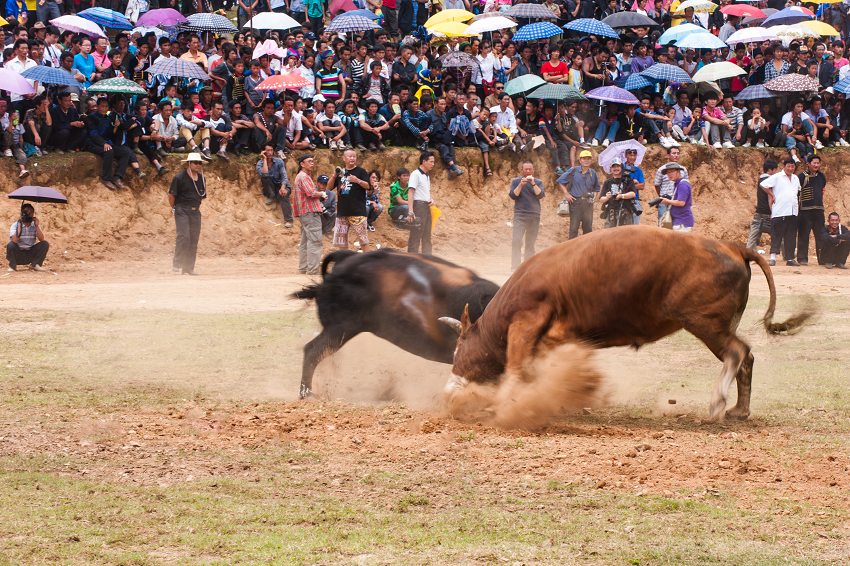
{"x": 636, "y": 81}
{"x": 537, "y": 30}
{"x": 676, "y": 33}
{"x": 701, "y": 41}
{"x": 552, "y": 91}
{"x": 842, "y": 86}
{"x": 50, "y": 76}
{"x": 348, "y": 24}
{"x": 666, "y": 72}
{"x": 759, "y": 92}
{"x": 592, "y": 27}
{"x": 788, "y": 16}
{"x": 106, "y": 18}
{"x": 365, "y": 13}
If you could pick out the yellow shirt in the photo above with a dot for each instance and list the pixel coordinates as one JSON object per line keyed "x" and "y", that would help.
{"x": 199, "y": 58}
{"x": 675, "y": 20}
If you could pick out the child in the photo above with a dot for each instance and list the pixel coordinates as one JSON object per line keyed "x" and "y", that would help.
{"x": 695, "y": 131}
{"x": 756, "y": 129}
{"x": 398, "y": 198}
{"x": 374, "y": 208}
{"x": 16, "y": 137}
{"x": 575, "y": 74}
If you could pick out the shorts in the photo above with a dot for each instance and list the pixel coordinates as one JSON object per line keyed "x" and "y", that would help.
{"x": 345, "y": 223}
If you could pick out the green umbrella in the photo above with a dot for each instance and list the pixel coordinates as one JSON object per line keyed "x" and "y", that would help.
{"x": 117, "y": 85}
{"x": 552, "y": 91}
{"x": 523, "y": 84}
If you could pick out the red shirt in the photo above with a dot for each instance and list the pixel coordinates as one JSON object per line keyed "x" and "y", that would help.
{"x": 559, "y": 69}
{"x": 306, "y": 196}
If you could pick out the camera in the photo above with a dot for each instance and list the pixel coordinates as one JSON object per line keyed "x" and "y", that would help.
{"x": 340, "y": 172}
{"x": 26, "y": 217}
{"x": 654, "y": 202}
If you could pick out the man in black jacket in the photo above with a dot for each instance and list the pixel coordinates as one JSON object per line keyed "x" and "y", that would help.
{"x": 68, "y": 128}
{"x": 810, "y": 219}
{"x": 761, "y": 218}
{"x": 441, "y": 137}
{"x": 103, "y": 129}
{"x": 835, "y": 243}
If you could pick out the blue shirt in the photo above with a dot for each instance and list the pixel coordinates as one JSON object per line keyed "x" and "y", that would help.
{"x": 581, "y": 185}
{"x": 636, "y": 174}
{"x": 85, "y": 65}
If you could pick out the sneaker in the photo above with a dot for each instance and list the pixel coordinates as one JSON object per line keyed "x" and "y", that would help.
{"x": 717, "y": 145}
{"x": 792, "y": 263}
{"x": 818, "y": 145}
{"x": 747, "y": 144}
{"x": 795, "y": 158}
{"x": 334, "y": 145}
{"x": 175, "y": 270}
{"x": 828, "y": 265}
{"x": 59, "y": 151}
{"x": 162, "y": 152}
{"x": 643, "y": 141}
{"x": 372, "y": 147}
{"x": 162, "y": 170}
{"x": 370, "y": 228}
{"x": 381, "y": 146}
{"x": 287, "y": 224}
{"x": 119, "y": 183}
{"x": 558, "y": 171}
{"x": 7, "y": 153}
{"x": 663, "y": 141}
{"x": 594, "y": 142}
{"x": 361, "y": 147}
{"x": 728, "y": 145}
{"x": 673, "y": 142}
{"x": 37, "y": 268}
{"x": 141, "y": 174}
{"x": 840, "y": 266}
{"x": 23, "y": 174}
{"x": 206, "y": 155}
{"x": 223, "y": 155}
{"x": 605, "y": 142}
{"x": 843, "y": 142}
{"x": 760, "y": 145}
{"x": 457, "y": 171}
{"x": 803, "y": 262}
{"x": 701, "y": 142}
{"x": 137, "y": 151}
{"x": 268, "y": 201}
{"x": 10, "y": 270}
{"x": 281, "y": 154}
{"x": 771, "y": 262}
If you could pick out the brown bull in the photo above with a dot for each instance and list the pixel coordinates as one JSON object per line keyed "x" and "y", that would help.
{"x": 623, "y": 287}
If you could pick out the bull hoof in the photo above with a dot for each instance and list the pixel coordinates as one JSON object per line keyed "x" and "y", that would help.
{"x": 305, "y": 393}
{"x": 738, "y": 414}
{"x": 716, "y": 412}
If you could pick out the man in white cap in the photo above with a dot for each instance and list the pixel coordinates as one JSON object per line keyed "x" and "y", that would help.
{"x": 188, "y": 189}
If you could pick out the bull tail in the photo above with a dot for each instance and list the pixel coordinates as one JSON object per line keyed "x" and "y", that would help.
{"x": 334, "y": 257}
{"x": 791, "y": 325}
{"x": 307, "y": 293}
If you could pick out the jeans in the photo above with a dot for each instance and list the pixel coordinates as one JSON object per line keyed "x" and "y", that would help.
{"x": 420, "y": 232}
{"x": 390, "y": 20}
{"x": 447, "y": 153}
{"x": 271, "y": 191}
{"x": 187, "y": 222}
{"x": 49, "y": 11}
{"x": 758, "y": 226}
{"x": 581, "y": 214}
{"x": 718, "y": 134}
{"x": 33, "y": 256}
{"x": 526, "y": 227}
{"x": 783, "y": 236}
{"x": 560, "y": 154}
{"x": 611, "y": 130}
{"x": 807, "y": 222}
{"x": 310, "y": 247}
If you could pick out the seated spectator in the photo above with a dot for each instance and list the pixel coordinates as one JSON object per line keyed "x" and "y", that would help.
{"x": 244, "y": 128}
{"x": 165, "y": 131}
{"x": 606, "y": 130}
{"x": 104, "y": 140}
{"x": 266, "y": 128}
{"x": 374, "y": 208}
{"x": 841, "y": 123}
{"x": 718, "y": 125}
{"x": 483, "y": 133}
{"x": 796, "y": 130}
{"x": 293, "y": 126}
{"x": 275, "y": 182}
{"x": 13, "y": 138}
{"x": 143, "y": 132}
{"x": 505, "y": 120}
{"x": 195, "y": 131}
{"x": 835, "y": 243}
{"x": 391, "y": 111}
{"x": 559, "y": 149}
{"x": 68, "y": 129}
{"x": 570, "y": 129}
{"x": 441, "y": 137}
{"x": 821, "y": 121}
{"x": 375, "y": 86}
{"x": 373, "y": 126}
{"x": 26, "y": 241}
{"x": 416, "y": 126}
{"x": 735, "y": 117}
{"x": 222, "y": 131}
{"x": 331, "y": 131}
{"x": 37, "y": 124}
{"x": 756, "y": 129}
{"x": 398, "y": 198}
{"x": 349, "y": 115}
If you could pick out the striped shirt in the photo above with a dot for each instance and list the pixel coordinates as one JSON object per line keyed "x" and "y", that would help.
{"x": 306, "y": 196}
{"x": 330, "y": 83}
{"x": 26, "y": 234}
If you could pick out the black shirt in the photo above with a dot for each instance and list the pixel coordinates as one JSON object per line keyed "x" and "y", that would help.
{"x": 811, "y": 190}
{"x": 762, "y": 204}
{"x": 62, "y": 118}
{"x": 351, "y": 196}
{"x": 190, "y": 193}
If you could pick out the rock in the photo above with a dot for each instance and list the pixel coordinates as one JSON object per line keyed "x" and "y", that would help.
{"x": 671, "y": 401}
{"x": 631, "y": 454}
{"x": 643, "y": 447}
{"x": 724, "y": 464}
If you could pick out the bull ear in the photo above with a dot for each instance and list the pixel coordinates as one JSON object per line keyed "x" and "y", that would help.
{"x": 452, "y": 323}
{"x": 464, "y": 320}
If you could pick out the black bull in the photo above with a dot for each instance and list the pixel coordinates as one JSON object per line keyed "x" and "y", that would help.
{"x": 396, "y": 296}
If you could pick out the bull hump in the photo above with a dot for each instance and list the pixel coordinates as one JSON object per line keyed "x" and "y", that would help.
{"x": 453, "y": 276}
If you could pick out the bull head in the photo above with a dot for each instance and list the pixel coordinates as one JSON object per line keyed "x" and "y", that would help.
{"x": 459, "y": 326}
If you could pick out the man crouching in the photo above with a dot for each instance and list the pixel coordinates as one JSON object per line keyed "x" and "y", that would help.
{"x": 26, "y": 241}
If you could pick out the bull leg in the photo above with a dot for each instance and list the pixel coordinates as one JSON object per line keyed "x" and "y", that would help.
{"x": 327, "y": 343}
{"x": 733, "y": 355}
{"x": 524, "y": 334}
{"x": 741, "y": 410}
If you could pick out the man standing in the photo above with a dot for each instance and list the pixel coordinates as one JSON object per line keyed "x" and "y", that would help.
{"x": 276, "y": 187}
{"x": 812, "y": 185}
{"x": 188, "y": 189}
{"x": 583, "y": 186}
{"x": 419, "y": 205}
{"x": 680, "y": 203}
{"x": 761, "y": 218}
{"x": 835, "y": 243}
{"x": 26, "y": 241}
{"x": 782, "y": 190}
{"x": 633, "y": 171}
{"x": 526, "y": 192}
{"x": 663, "y": 183}
{"x": 351, "y": 184}
{"x": 307, "y": 207}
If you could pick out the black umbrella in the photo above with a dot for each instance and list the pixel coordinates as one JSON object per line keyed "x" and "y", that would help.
{"x": 629, "y": 20}
{"x": 39, "y": 194}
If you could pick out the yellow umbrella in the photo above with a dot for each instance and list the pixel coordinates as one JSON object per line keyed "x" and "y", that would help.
{"x": 3, "y": 22}
{"x": 825, "y": 1}
{"x": 821, "y": 28}
{"x": 450, "y": 29}
{"x": 448, "y": 16}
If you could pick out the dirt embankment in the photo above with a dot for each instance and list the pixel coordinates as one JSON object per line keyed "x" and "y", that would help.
{"x": 99, "y": 224}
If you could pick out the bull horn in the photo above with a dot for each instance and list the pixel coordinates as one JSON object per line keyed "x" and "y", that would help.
{"x": 452, "y": 323}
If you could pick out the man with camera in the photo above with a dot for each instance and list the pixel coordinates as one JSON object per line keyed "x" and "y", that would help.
{"x": 526, "y": 192}
{"x": 663, "y": 183}
{"x": 680, "y": 201}
{"x": 618, "y": 196}
{"x": 583, "y": 185}
{"x": 26, "y": 241}
{"x": 350, "y": 183}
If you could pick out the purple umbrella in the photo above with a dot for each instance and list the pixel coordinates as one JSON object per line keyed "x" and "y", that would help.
{"x": 613, "y": 94}
{"x": 14, "y": 83}
{"x": 618, "y": 150}
{"x": 38, "y": 194}
{"x": 168, "y": 17}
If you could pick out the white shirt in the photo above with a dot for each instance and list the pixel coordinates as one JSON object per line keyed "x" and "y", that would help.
{"x": 16, "y": 65}
{"x": 505, "y": 118}
{"x": 292, "y": 125}
{"x": 785, "y": 191}
{"x": 788, "y": 119}
{"x": 421, "y": 184}
{"x": 487, "y": 64}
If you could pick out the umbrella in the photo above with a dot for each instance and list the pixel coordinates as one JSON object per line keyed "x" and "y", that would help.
{"x": 793, "y": 83}
{"x": 699, "y": 6}
{"x": 361, "y": 12}
{"x": 523, "y": 84}
{"x": 448, "y": 16}
{"x": 14, "y": 83}
{"x": 666, "y": 72}
{"x": 750, "y": 35}
{"x": 458, "y": 59}
{"x": 749, "y": 20}
{"x": 490, "y": 24}
{"x": 742, "y": 11}
{"x": 208, "y": 22}
{"x": 349, "y": 24}
{"x": 106, "y": 18}
{"x": 612, "y": 94}
{"x": 717, "y": 71}
{"x": 843, "y": 86}
{"x": 755, "y": 92}
{"x": 117, "y": 85}
{"x": 291, "y": 81}
{"x": 617, "y": 150}
{"x": 796, "y": 31}
{"x": 822, "y": 28}
{"x": 552, "y": 91}
{"x": 3, "y": 22}
{"x": 144, "y": 30}
{"x": 174, "y": 67}
{"x": 630, "y": 20}
{"x": 38, "y": 194}
{"x": 271, "y": 20}
{"x": 590, "y": 26}
{"x": 788, "y": 16}
{"x": 168, "y": 17}
{"x": 537, "y": 30}
{"x": 700, "y": 41}
{"x": 50, "y": 76}
{"x": 636, "y": 81}
{"x": 450, "y": 29}
{"x": 341, "y": 5}
{"x": 530, "y": 11}
{"x": 78, "y": 25}
{"x": 676, "y": 33}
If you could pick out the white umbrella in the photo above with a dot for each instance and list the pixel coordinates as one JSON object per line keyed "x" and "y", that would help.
{"x": 676, "y": 33}
{"x": 490, "y": 24}
{"x": 795, "y": 31}
{"x": 699, "y": 6}
{"x": 618, "y": 150}
{"x": 78, "y": 25}
{"x": 717, "y": 72}
{"x": 752, "y": 35}
{"x": 271, "y": 20}
{"x": 144, "y": 30}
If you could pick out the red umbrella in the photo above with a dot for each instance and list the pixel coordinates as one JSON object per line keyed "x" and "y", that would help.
{"x": 291, "y": 81}
{"x": 743, "y": 11}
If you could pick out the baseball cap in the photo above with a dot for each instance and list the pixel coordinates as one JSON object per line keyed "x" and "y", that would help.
{"x": 585, "y": 153}
{"x": 310, "y": 35}
{"x": 322, "y": 179}
{"x": 616, "y": 161}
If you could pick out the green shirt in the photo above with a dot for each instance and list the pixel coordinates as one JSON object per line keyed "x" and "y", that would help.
{"x": 396, "y": 190}
{"x": 314, "y": 8}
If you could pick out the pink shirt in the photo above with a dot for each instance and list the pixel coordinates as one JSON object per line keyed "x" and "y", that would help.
{"x": 716, "y": 113}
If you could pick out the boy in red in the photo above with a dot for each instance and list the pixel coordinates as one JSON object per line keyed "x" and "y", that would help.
{"x": 554, "y": 70}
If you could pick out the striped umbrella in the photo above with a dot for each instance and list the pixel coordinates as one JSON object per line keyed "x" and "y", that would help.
{"x": 636, "y": 81}
{"x": 613, "y": 94}
{"x": 552, "y": 91}
{"x": 361, "y": 12}
{"x": 290, "y": 81}
{"x": 78, "y": 25}
{"x": 530, "y": 11}
{"x": 537, "y": 30}
{"x": 174, "y": 67}
{"x": 756, "y": 92}
{"x": 842, "y": 86}
{"x": 161, "y": 17}
{"x": 208, "y": 22}
{"x": 789, "y": 16}
{"x": 117, "y": 85}
{"x": 592, "y": 27}
{"x": 349, "y": 24}
{"x": 50, "y": 76}
{"x": 106, "y": 18}
{"x": 666, "y": 72}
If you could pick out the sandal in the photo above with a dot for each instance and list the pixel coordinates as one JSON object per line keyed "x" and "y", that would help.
{"x": 488, "y": 172}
